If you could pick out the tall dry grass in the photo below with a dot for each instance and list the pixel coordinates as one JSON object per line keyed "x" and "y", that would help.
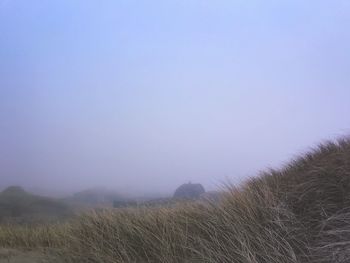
{"x": 300, "y": 213}
{"x": 237, "y": 230}
{"x": 30, "y": 236}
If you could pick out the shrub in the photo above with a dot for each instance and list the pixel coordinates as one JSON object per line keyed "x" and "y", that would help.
{"x": 189, "y": 191}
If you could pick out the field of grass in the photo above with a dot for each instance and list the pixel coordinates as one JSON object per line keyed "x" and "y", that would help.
{"x": 300, "y": 213}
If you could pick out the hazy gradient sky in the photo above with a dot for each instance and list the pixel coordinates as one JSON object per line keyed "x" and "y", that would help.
{"x": 145, "y": 95}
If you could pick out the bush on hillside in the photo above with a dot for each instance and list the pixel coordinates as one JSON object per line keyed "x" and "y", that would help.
{"x": 189, "y": 191}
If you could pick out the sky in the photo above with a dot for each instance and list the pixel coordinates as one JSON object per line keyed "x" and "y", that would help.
{"x": 144, "y": 95}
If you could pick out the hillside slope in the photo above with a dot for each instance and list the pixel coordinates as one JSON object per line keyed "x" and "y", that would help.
{"x": 19, "y": 206}
{"x": 300, "y": 213}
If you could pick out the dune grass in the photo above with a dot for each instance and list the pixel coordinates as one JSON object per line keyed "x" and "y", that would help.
{"x": 29, "y": 236}
{"x": 300, "y": 213}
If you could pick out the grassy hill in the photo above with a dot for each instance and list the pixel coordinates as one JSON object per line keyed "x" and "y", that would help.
{"x": 300, "y": 213}
{"x": 19, "y": 206}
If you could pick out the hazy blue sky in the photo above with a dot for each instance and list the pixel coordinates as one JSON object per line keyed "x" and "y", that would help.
{"x": 145, "y": 95}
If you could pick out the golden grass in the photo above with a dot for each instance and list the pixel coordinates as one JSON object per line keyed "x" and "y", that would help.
{"x": 23, "y": 236}
{"x": 300, "y": 213}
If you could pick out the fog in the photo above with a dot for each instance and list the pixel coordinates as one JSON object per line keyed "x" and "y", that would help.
{"x": 142, "y": 96}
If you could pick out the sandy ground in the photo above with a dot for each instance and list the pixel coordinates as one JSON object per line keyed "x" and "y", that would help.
{"x": 16, "y": 256}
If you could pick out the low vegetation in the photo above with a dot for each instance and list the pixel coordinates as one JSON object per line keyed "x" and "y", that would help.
{"x": 300, "y": 213}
